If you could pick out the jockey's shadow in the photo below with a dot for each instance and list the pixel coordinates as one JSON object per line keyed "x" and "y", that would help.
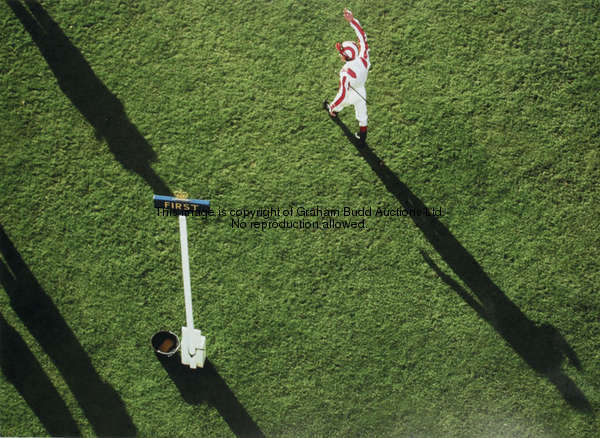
{"x": 542, "y": 347}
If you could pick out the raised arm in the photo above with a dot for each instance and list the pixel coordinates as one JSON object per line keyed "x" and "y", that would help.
{"x": 360, "y": 34}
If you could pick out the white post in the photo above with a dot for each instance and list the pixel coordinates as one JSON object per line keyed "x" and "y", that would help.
{"x": 193, "y": 344}
{"x": 185, "y": 267}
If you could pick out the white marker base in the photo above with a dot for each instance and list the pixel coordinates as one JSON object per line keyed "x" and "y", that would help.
{"x": 193, "y": 347}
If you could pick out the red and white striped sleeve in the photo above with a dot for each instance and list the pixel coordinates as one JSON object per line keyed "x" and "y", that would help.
{"x": 342, "y": 91}
{"x": 362, "y": 39}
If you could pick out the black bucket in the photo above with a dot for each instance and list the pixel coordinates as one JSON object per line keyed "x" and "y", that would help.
{"x": 165, "y": 343}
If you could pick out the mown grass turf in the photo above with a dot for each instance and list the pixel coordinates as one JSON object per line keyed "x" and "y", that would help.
{"x": 486, "y": 109}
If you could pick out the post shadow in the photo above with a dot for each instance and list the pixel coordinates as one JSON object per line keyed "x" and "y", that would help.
{"x": 90, "y": 96}
{"x": 542, "y": 347}
{"x": 100, "y": 403}
{"x": 206, "y": 385}
{"x": 24, "y": 372}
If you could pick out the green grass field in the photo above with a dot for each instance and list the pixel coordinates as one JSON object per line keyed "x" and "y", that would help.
{"x": 482, "y": 322}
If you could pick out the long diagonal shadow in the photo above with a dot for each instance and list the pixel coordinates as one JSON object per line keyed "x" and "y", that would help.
{"x": 22, "y": 369}
{"x": 543, "y": 348}
{"x": 206, "y": 385}
{"x": 100, "y": 403}
{"x": 90, "y": 96}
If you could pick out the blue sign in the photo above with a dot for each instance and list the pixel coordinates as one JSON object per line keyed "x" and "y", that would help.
{"x": 182, "y": 206}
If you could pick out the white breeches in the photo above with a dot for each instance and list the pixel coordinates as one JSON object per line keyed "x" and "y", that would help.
{"x": 360, "y": 105}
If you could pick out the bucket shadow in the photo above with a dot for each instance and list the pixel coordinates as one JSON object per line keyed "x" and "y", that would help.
{"x": 24, "y": 372}
{"x": 90, "y": 96}
{"x": 206, "y": 385}
{"x": 542, "y": 347}
{"x": 100, "y": 403}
